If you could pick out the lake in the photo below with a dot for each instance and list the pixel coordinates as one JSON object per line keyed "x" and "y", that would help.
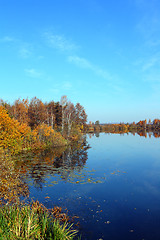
{"x": 111, "y": 182}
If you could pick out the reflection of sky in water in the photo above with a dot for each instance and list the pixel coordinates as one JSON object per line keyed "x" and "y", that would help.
{"x": 126, "y": 204}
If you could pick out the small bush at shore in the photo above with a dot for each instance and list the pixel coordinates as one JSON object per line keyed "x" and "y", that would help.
{"x": 32, "y": 222}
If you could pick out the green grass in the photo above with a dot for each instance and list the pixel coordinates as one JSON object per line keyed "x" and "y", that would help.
{"x": 32, "y": 222}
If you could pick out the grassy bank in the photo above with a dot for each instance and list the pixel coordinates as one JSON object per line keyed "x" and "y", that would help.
{"x": 33, "y": 222}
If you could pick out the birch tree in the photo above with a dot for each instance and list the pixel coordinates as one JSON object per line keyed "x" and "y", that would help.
{"x": 70, "y": 116}
{"x": 63, "y": 103}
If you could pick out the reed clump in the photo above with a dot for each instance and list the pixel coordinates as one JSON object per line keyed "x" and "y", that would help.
{"x": 33, "y": 222}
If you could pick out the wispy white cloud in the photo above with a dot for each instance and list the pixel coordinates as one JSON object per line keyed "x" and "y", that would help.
{"x": 80, "y": 62}
{"x": 59, "y": 42}
{"x": 153, "y": 77}
{"x": 24, "y": 49}
{"x": 149, "y": 27}
{"x": 153, "y": 42}
{"x": 33, "y": 73}
{"x": 84, "y": 63}
{"x": 148, "y": 63}
{"x": 24, "y": 52}
{"x": 55, "y": 90}
{"x": 7, "y": 39}
{"x": 66, "y": 85}
{"x": 151, "y": 63}
{"x": 149, "y": 22}
{"x": 143, "y": 4}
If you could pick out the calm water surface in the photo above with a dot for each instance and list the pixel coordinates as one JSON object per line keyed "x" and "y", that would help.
{"x": 113, "y": 186}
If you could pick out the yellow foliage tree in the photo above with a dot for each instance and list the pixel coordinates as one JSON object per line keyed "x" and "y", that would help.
{"x": 16, "y": 137}
{"x": 13, "y": 135}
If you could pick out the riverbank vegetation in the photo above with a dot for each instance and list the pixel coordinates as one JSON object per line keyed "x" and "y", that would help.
{"x": 29, "y": 125}
{"x": 34, "y": 222}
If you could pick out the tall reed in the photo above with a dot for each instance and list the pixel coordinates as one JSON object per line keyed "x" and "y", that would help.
{"x": 32, "y": 222}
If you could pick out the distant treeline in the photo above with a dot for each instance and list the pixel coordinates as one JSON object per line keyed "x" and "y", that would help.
{"x": 142, "y": 127}
{"x": 34, "y": 124}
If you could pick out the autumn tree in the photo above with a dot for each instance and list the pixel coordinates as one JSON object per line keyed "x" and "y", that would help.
{"x": 72, "y": 115}
{"x": 97, "y": 122}
{"x": 58, "y": 114}
{"x": 156, "y": 122}
{"x": 20, "y": 110}
{"x": 14, "y": 136}
{"x": 81, "y": 116}
{"x": 37, "y": 112}
{"x": 7, "y": 106}
{"x": 51, "y": 114}
{"x": 149, "y": 121}
{"x": 144, "y": 123}
{"x": 69, "y": 116}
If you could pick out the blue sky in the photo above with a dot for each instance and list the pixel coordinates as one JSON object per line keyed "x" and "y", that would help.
{"x": 104, "y": 54}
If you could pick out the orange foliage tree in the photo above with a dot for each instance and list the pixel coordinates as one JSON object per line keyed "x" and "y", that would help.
{"x": 14, "y": 136}
{"x": 48, "y": 136}
{"x": 20, "y": 110}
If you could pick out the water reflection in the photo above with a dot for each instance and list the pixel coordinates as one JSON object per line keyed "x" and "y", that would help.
{"x": 11, "y": 184}
{"x": 141, "y": 133}
{"x": 61, "y": 163}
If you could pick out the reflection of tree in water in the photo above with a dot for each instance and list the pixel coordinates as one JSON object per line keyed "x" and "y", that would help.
{"x": 59, "y": 161}
{"x": 73, "y": 158}
{"x": 97, "y": 134}
{"x": 12, "y": 186}
{"x": 145, "y": 133}
{"x": 38, "y": 176}
{"x": 141, "y": 132}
